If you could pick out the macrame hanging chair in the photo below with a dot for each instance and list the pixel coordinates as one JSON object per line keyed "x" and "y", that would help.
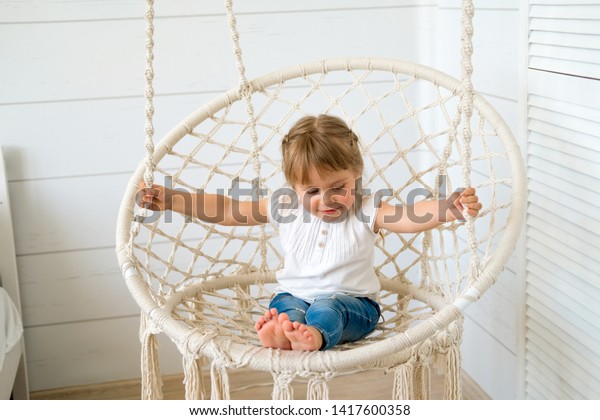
{"x": 424, "y": 134}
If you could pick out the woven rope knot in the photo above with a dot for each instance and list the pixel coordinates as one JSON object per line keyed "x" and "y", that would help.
{"x": 469, "y": 9}
{"x": 285, "y": 377}
{"x": 451, "y": 337}
{"x": 245, "y": 90}
{"x": 282, "y": 389}
{"x": 426, "y": 349}
{"x": 148, "y": 326}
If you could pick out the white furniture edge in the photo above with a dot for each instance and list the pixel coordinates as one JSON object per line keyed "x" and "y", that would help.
{"x": 9, "y": 277}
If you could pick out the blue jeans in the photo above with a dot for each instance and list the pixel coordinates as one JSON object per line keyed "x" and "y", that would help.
{"x": 339, "y": 318}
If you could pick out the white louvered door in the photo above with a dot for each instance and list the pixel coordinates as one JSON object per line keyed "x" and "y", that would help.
{"x": 565, "y": 36}
{"x": 562, "y": 316}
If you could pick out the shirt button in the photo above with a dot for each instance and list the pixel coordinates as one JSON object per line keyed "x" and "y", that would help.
{"x": 324, "y": 232}
{"x": 321, "y": 244}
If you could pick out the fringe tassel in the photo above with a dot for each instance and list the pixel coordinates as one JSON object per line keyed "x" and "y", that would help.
{"x": 219, "y": 382}
{"x": 317, "y": 388}
{"x": 193, "y": 381}
{"x": 282, "y": 389}
{"x": 422, "y": 387}
{"x": 453, "y": 376}
{"x": 151, "y": 379}
{"x": 403, "y": 382}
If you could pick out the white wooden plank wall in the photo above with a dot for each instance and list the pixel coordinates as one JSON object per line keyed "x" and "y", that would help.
{"x": 71, "y": 122}
{"x": 490, "y": 339}
{"x": 562, "y": 334}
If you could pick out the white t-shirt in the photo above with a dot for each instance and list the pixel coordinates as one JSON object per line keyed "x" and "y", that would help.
{"x": 323, "y": 258}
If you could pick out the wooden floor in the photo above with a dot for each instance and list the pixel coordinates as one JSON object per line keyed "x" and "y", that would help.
{"x": 247, "y": 385}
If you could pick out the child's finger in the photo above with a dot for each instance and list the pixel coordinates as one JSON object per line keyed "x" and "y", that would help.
{"x": 139, "y": 196}
{"x": 142, "y": 186}
{"x": 468, "y": 192}
{"x": 152, "y": 192}
{"x": 473, "y": 209}
{"x": 469, "y": 199}
{"x": 476, "y": 206}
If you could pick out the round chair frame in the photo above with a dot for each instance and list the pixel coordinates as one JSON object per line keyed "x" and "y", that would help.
{"x": 391, "y": 352}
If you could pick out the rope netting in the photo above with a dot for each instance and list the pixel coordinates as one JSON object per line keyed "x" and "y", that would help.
{"x": 230, "y": 310}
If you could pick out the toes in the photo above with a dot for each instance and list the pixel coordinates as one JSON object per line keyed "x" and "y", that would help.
{"x": 259, "y": 324}
{"x": 270, "y": 314}
{"x": 261, "y": 321}
{"x": 287, "y": 325}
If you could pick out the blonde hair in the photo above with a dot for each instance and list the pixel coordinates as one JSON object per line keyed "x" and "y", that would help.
{"x": 324, "y": 142}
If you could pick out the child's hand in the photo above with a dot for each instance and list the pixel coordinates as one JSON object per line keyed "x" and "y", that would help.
{"x": 155, "y": 198}
{"x": 467, "y": 202}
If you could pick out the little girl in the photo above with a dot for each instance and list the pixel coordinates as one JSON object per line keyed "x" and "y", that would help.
{"x": 327, "y": 290}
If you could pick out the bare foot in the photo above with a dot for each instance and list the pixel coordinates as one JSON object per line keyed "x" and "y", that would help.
{"x": 270, "y": 332}
{"x": 301, "y": 337}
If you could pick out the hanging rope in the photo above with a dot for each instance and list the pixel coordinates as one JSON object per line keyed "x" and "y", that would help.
{"x": 463, "y": 114}
{"x": 246, "y": 94}
{"x": 151, "y": 378}
{"x": 149, "y": 94}
{"x": 466, "y": 105}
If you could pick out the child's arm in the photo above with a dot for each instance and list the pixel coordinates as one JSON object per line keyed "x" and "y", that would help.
{"x": 426, "y": 215}
{"x": 213, "y": 208}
